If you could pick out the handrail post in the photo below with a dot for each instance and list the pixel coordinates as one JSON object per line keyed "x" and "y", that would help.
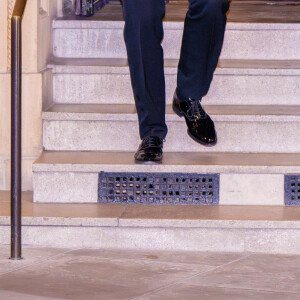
{"x": 16, "y": 129}
{"x": 16, "y": 146}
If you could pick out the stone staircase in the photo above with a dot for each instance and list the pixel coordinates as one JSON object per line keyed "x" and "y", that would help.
{"x": 91, "y": 126}
{"x": 254, "y": 100}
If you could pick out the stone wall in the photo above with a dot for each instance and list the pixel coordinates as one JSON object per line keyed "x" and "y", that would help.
{"x": 36, "y": 48}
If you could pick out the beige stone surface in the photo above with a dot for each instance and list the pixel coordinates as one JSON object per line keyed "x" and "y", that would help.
{"x": 2, "y": 170}
{"x": 68, "y": 180}
{"x": 257, "y": 272}
{"x": 91, "y": 277}
{"x": 262, "y": 265}
{"x": 233, "y": 216}
{"x": 273, "y": 241}
{"x": 31, "y": 115}
{"x": 46, "y": 13}
{"x": 225, "y": 66}
{"x": 66, "y": 187}
{"x": 31, "y": 90}
{"x": 30, "y": 36}
{"x": 150, "y": 275}
{"x": 176, "y": 257}
{"x": 130, "y": 238}
{"x": 5, "y": 114}
{"x": 230, "y": 86}
{"x": 257, "y": 189}
{"x": 208, "y": 162}
{"x": 144, "y": 238}
{"x": 31, "y": 125}
{"x": 32, "y": 109}
{"x": 185, "y": 216}
{"x": 30, "y": 256}
{"x": 192, "y": 291}
{"x": 5, "y": 197}
{"x": 35, "y": 214}
{"x": 127, "y": 112}
{"x": 47, "y": 89}
{"x": 26, "y": 174}
{"x": 3, "y": 37}
{"x": 256, "y": 135}
{"x": 221, "y": 228}
{"x": 242, "y": 40}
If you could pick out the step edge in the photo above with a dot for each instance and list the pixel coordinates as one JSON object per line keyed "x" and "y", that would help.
{"x": 119, "y": 65}
{"x": 94, "y": 117}
{"x": 50, "y": 161}
{"x": 149, "y": 223}
{"x": 170, "y": 25}
{"x": 96, "y": 168}
{"x": 221, "y": 113}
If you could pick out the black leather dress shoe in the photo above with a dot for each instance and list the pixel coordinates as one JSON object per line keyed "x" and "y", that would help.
{"x": 201, "y": 127}
{"x": 151, "y": 149}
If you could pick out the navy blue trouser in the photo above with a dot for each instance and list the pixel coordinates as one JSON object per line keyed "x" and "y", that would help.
{"x": 202, "y": 41}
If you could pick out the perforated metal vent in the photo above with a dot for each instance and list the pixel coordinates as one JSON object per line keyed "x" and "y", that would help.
{"x": 292, "y": 189}
{"x": 159, "y": 188}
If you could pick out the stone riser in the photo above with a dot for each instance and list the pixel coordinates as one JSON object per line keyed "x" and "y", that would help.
{"x": 234, "y": 228}
{"x": 262, "y": 240}
{"x": 123, "y": 136}
{"x": 82, "y": 187}
{"x": 226, "y": 89}
{"x": 242, "y": 41}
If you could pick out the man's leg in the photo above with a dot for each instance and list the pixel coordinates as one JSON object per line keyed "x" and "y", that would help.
{"x": 200, "y": 50}
{"x": 143, "y": 34}
{"x": 202, "y": 42}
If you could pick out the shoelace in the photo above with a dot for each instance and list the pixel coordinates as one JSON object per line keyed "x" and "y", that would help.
{"x": 151, "y": 141}
{"x": 195, "y": 111}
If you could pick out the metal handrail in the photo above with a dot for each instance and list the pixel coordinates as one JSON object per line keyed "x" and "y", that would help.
{"x": 16, "y": 129}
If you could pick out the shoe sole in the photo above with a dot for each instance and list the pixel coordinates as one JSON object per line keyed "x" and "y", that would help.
{"x": 148, "y": 162}
{"x": 180, "y": 114}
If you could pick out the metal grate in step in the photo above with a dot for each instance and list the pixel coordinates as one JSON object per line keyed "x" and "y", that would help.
{"x": 159, "y": 188}
{"x": 292, "y": 189}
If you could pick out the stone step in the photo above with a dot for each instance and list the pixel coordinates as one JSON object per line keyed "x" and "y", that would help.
{"x": 90, "y": 38}
{"x": 266, "y": 229}
{"x": 114, "y": 127}
{"x": 247, "y": 82}
{"x": 245, "y": 178}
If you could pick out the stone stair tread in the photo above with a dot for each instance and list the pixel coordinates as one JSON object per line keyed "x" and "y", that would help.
{"x": 253, "y": 38}
{"x": 240, "y": 11}
{"x": 114, "y": 215}
{"x": 127, "y": 112}
{"x": 227, "y": 228}
{"x": 258, "y": 128}
{"x": 236, "y": 81}
{"x": 206, "y": 162}
{"x": 254, "y": 31}
{"x": 119, "y": 65}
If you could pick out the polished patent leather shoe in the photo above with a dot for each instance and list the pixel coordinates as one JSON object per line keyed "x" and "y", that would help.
{"x": 201, "y": 127}
{"x": 151, "y": 149}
